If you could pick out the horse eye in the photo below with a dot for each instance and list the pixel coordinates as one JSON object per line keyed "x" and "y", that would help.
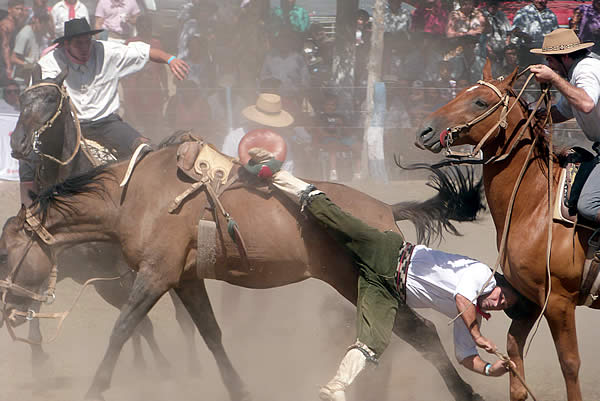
{"x": 481, "y": 103}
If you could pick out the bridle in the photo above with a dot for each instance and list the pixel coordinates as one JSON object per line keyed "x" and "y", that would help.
{"x": 36, "y": 230}
{"x": 448, "y": 136}
{"x": 64, "y": 99}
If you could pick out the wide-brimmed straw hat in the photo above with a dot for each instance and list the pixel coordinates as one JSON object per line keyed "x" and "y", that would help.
{"x": 561, "y": 41}
{"x": 77, "y": 27}
{"x": 267, "y": 111}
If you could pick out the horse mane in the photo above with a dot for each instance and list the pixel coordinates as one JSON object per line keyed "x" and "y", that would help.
{"x": 59, "y": 196}
{"x": 458, "y": 198}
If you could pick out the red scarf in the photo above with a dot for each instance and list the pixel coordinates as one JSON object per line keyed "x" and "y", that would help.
{"x": 71, "y": 10}
{"x": 485, "y": 315}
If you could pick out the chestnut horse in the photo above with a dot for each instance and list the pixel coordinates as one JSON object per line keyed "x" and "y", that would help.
{"x": 524, "y": 261}
{"x": 283, "y": 247}
{"x": 46, "y": 128}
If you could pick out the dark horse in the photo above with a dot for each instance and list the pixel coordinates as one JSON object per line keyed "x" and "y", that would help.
{"x": 524, "y": 262}
{"x": 283, "y": 247}
{"x": 47, "y": 124}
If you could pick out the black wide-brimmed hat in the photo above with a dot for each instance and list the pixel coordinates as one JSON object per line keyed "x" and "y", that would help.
{"x": 77, "y": 27}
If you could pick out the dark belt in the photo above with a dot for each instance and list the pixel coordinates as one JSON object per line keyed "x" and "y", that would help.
{"x": 404, "y": 256}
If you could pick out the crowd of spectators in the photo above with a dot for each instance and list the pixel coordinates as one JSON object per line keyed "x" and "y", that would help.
{"x": 236, "y": 50}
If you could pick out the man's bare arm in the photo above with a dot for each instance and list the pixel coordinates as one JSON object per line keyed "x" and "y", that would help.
{"x": 469, "y": 317}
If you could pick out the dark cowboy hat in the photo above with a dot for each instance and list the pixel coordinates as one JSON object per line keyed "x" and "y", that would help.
{"x": 77, "y": 27}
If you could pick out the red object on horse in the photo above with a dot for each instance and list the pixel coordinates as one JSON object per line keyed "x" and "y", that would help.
{"x": 262, "y": 138}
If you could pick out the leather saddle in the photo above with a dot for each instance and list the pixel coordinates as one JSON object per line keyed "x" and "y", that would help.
{"x": 202, "y": 162}
{"x": 575, "y": 170}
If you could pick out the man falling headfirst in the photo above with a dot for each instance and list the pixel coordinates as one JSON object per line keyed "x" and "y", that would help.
{"x": 394, "y": 272}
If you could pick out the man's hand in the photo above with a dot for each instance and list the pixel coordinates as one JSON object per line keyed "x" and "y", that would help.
{"x": 543, "y": 73}
{"x": 500, "y": 367}
{"x": 179, "y": 68}
{"x": 486, "y": 344}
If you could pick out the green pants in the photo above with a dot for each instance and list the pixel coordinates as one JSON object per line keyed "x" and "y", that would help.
{"x": 376, "y": 254}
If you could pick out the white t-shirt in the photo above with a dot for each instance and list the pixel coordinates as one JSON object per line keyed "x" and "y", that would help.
{"x": 93, "y": 86}
{"x": 60, "y": 15}
{"x": 585, "y": 75}
{"x": 434, "y": 278}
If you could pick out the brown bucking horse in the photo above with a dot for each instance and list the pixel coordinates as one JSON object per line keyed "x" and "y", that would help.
{"x": 283, "y": 247}
{"x": 505, "y": 152}
{"x": 47, "y": 136}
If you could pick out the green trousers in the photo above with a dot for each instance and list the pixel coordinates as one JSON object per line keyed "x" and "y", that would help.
{"x": 376, "y": 255}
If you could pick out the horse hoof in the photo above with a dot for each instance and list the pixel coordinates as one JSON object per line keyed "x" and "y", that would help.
{"x": 477, "y": 397}
{"x": 94, "y": 397}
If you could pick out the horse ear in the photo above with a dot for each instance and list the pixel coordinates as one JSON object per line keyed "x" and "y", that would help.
{"x": 487, "y": 71}
{"x": 61, "y": 77}
{"x": 512, "y": 77}
{"x": 36, "y": 74}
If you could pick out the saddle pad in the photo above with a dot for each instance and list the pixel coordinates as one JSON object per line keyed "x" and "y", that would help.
{"x": 102, "y": 154}
{"x": 565, "y": 195}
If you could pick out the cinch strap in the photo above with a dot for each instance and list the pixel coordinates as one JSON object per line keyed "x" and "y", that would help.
{"x": 404, "y": 256}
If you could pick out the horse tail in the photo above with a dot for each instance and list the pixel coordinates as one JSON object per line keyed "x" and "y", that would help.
{"x": 458, "y": 198}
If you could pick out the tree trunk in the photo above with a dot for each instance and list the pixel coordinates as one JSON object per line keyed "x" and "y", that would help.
{"x": 372, "y": 154}
{"x": 345, "y": 52}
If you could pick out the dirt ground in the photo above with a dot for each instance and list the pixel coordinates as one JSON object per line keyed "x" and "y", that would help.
{"x": 285, "y": 342}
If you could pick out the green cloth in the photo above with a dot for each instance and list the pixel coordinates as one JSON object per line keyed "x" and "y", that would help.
{"x": 298, "y": 19}
{"x": 376, "y": 255}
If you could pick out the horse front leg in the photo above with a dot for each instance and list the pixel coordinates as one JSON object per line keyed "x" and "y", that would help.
{"x": 39, "y": 357}
{"x": 195, "y": 299}
{"x": 146, "y": 330}
{"x": 189, "y": 329}
{"x": 147, "y": 289}
{"x": 560, "y": 315}
{"x": 515, "y": 345}
{"x": 422, "y": 335}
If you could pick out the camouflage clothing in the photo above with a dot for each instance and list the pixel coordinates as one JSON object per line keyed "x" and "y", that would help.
{"x": 474, "y": 22}
{"x": 498, "y": 29}
{"x": 396, "y": 22}
{"x": 535, "y": 23}
{"x": 298, "y": 19}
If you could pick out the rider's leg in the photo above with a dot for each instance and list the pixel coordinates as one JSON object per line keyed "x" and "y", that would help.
{"x": 589, "y": 200}
{"x": 113, "y": 132}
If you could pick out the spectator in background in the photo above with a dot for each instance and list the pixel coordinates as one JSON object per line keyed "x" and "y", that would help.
{"x": 530, "y": 24}
{"x": 285, "y": 63}
{"x": 429, "y": 22}
{"x": 396, "y": 18}
{"x": 145, "y": 93}
{"x": 9, "y": 26}
{"x": 117, "y": 18}
{"x": 465, "y": 29}
{"x": 40, "y": 7}
{"x": 587, "y": 24}
{"x": 298, "y": 17}
{"x": 511, "y": 61}
{"x": 497, "y": 32}
{"x": 9, "y": 104}
{"x": 66, "y": 10}
{"x": 200, "y": 19}
{"x": 332, "y": 135}
{"x": 29, "y": 43}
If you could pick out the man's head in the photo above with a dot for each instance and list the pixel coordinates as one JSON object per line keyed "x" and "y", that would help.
{"x": 40, "y": 23}
{"x": 492, "y": 6}
{"x": 16, "y": 10}
{"x": 79, "y": 48}
{"x": 395, "y": 5}
{"x": 510, "y": 55}
{"x": 502, "y": 297}
{"x": 40, "y": 4}
{"x": 540, "y": 4}
{"x": 467, "y": 6}
{"x": 11, "y": 93}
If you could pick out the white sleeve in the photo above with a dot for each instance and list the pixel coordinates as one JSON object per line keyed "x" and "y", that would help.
{"x": 49, "y": 66}
{"x": 589, "y": 81}
{"x": 127, "y": 59}
{"x": 564, "y": 108}
{"x": 464, "y": 346}
{"x": 472, "y": 280}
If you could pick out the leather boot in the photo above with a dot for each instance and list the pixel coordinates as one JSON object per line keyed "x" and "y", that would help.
{"x": 353, "y": 363}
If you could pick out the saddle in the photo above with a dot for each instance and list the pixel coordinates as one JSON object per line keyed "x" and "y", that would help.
{"x": 575, "y": 170}
{"x": 214, "y": 172}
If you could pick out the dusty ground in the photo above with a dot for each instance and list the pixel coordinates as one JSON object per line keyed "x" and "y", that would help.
{"x": 285, "y": 342}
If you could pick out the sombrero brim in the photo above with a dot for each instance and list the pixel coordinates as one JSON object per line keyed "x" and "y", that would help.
{"x": 279, "y": 120}
{"x": 63, "y": 38}
{"x": 563, "y": 51}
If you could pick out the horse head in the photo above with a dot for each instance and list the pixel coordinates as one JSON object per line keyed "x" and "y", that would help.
{"x": 469, "y": 116}
{"x": 25, "y": 265}
{"x": 41, "y": 104}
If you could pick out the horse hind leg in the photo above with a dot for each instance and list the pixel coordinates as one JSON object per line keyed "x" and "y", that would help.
{"x": 422, "y": 335}
{"x": 39, "y": 357}
{"x": 195, "y": 299}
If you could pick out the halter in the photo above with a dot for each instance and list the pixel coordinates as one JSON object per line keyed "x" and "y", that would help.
{"x": 8, "y": 286}
{"x": 453, "y": 132}
{"x": 36, "y": 142}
